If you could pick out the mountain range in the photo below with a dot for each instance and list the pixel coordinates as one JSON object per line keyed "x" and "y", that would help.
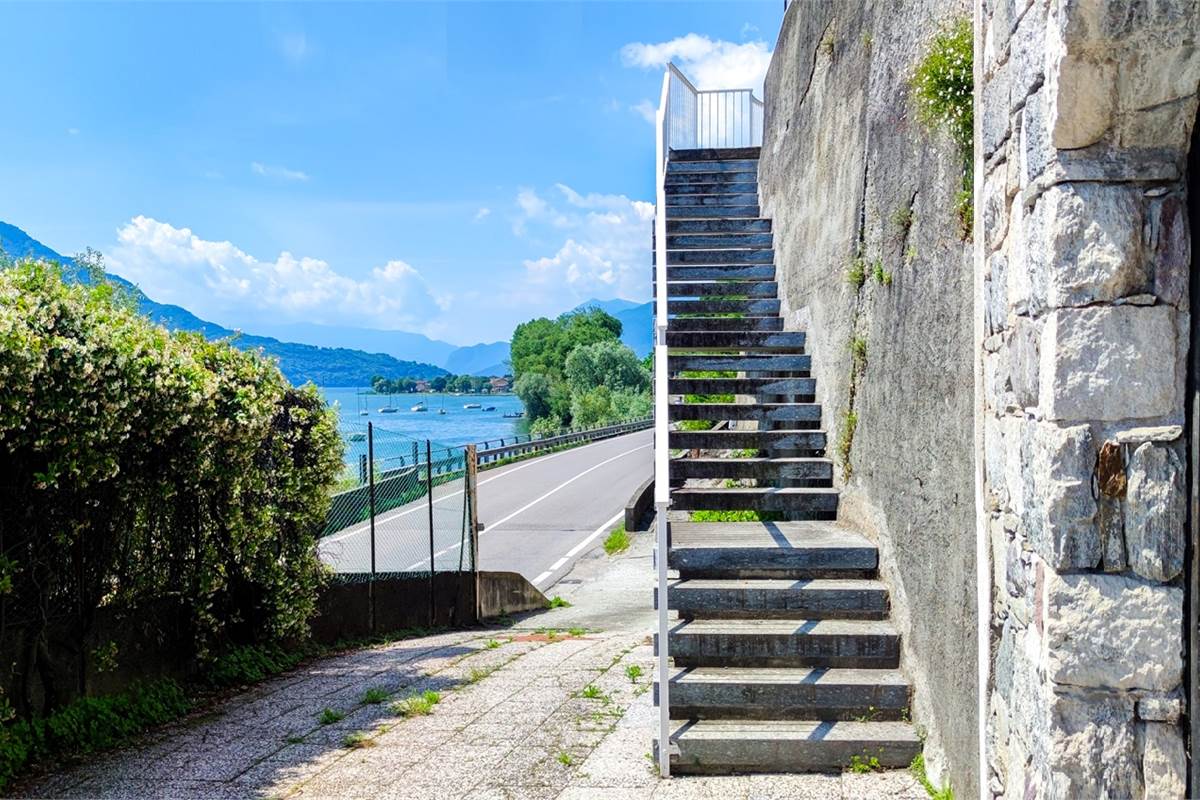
{"x": 330, "y": 355}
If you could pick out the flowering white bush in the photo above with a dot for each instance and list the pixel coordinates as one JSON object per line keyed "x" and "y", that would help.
{"x": 944, "y": 84}
{"x": 140, "y": 465}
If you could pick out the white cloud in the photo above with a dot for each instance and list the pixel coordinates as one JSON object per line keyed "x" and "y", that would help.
{"x": 282, "y": 173}
{"x": 606, "y": 251}
{"x": 293, "y": 46}
{"x": 482, "y": 213}
{"x": 222, "y": 282}
{"x": 709, "y": 63}
{"x": 647, "y": 110}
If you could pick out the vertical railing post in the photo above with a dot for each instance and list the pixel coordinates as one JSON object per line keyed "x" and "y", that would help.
{"x": 661, "y": 453}
{"x": 371, "y": 501}
{"x": 473, "y": 519}
{"x": 429, "y": 493}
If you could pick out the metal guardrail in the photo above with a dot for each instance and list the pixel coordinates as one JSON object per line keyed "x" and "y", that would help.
{"x": 522, "y": 444}
{"x": 702, "y": 118}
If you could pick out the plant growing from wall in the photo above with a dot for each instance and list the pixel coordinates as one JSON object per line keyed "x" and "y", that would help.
{"x": 849, "y": 421}
{"x": 943, "y": 87}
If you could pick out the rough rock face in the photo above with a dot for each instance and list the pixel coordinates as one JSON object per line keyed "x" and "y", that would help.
{"x": 847, "y": 170}
{"x": 1086, "y": 113}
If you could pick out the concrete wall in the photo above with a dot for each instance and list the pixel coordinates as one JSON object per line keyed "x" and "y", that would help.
{"x": 843, "y": 161}
{"x": 1085, "y": 116}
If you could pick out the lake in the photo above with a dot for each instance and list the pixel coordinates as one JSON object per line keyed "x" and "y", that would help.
{"x": 458, "y": 426}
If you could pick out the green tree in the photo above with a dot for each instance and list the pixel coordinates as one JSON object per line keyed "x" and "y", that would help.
{"x": 535, "y": 391}
{"x": 606, "y": 363}
{"x": 593, "y": 407}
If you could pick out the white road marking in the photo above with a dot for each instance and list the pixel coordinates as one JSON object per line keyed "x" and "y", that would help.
{"x": 577, "y": 549}
{"x": 492, "y": 526}
{"x": 423, "y": 506}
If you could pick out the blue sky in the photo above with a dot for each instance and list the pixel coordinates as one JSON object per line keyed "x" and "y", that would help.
{"x": 452, "y": 169}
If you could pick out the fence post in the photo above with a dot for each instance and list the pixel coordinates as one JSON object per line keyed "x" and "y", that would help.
{"x": 371, "y": 500}
{"x": 429, "y": 493}
{"x": 473, "y": 522}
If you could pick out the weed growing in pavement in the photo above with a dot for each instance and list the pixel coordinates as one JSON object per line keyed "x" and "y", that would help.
{"x": 565, "y": 759}
{"x": 617, "y": 541}
{"x": 418, "y": 705}
{"x": 558, "y": 602}
{"x": 591, "y": 692}
{"x": 374, "y": 696}
{"x": 633, "y": 672}
{"x": 577, "y": 631}
{"x": 492, "y": 644}
{"x": 357, "y": 740}
{"x": 864, "y": 763}
{"x": 328, "y": 716}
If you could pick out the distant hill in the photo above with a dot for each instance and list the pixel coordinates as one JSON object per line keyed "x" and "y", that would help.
{"x": 637, "y": 322}
{"x": 324, "y": 366}
{"x": 480, "y": 359}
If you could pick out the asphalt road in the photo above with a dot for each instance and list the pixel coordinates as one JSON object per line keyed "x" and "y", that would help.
{"x": 538, "y": 515}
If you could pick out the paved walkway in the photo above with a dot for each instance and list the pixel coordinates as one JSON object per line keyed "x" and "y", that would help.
{"x": 533, "y": 712}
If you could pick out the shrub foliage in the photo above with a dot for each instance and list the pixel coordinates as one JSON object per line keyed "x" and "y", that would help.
{"x": 147, "y": 467}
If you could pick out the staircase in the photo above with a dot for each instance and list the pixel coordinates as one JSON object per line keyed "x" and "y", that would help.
{"x": 783, "y": 656}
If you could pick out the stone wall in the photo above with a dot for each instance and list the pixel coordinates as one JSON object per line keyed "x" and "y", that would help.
{"x": 1086, "y": 113}
{"x": 847, "y": 170}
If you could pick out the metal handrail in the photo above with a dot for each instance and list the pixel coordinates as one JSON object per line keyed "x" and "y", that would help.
{"x": 709, "y": 118}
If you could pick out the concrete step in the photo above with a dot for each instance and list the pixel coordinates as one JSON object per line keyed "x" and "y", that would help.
{"x": 730, "y": 212}
{"x": 808, "y": 549}
{"x": 728, "y": 171}
{"x": 680, "y": 324}
{"x": 740, "y": 363}
{"x": 869, "y": 695}
{"x": 812, "y": 442}
{"x": 720, "y": 289}
{"x": 720, "y": 272}
{"x": 757, "y": 412}
{"x": 763, "y": 598}
{"x": 735, "y": 340}
{"x": 709, "y": 200}
{"x": 770, "y": 470}
{"x": 724, "y": 746}
{"x": 758, "y": 307}
{"x": 718, "y": 226}
{"x": 712, "y": 241}
{"x": 732, "y": 255}
{"x": 677, "y": 188}
{"x": 759, "y": 387}
{"x": 713, "y": 154}
{"x": 831, "y": 643}
{"x": 799, "y": 502}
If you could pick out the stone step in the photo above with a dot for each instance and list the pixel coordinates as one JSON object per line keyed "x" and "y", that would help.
{"x": 735, "y": 340}
{"x": 678, "y": 188}
{"x": 757, "y": 412}
{"x": 757, "y": 468}
{"x": 805, "y": 441}
{"x": 763, "y": 598}
{"x": 732, "y": 255}
{"x": 680, "y": 324}
{"x": 712, "y": 154}
{"x": 720, "y": 272}
{"x": 725, "y": 746}
{"x": 709, "y": 200}
{"x": 718, "y": 226}
{"x": 720, "y": 289}
{"x": 799, "y": 502}
{"x": 712, "y": 241}
{"x": 757, "y": 307}
{"x": 869, "y": 695}
{"x": 745, "y": 166}
{"x": 759, "y": 387}
{"x": 740, "y": 363}
{"x": 806, "y": 549}
{"x": 831, "y": 643}
{"x": 732, "y": 212}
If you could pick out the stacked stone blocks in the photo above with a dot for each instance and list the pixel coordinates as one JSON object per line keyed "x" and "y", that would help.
{"x": 1086, "y": 113}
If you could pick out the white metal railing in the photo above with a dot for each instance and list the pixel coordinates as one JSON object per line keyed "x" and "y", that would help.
{"x": 688, "y": 118}
{"x": 662, "y": 487}
{"x": 709, "y": 117}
